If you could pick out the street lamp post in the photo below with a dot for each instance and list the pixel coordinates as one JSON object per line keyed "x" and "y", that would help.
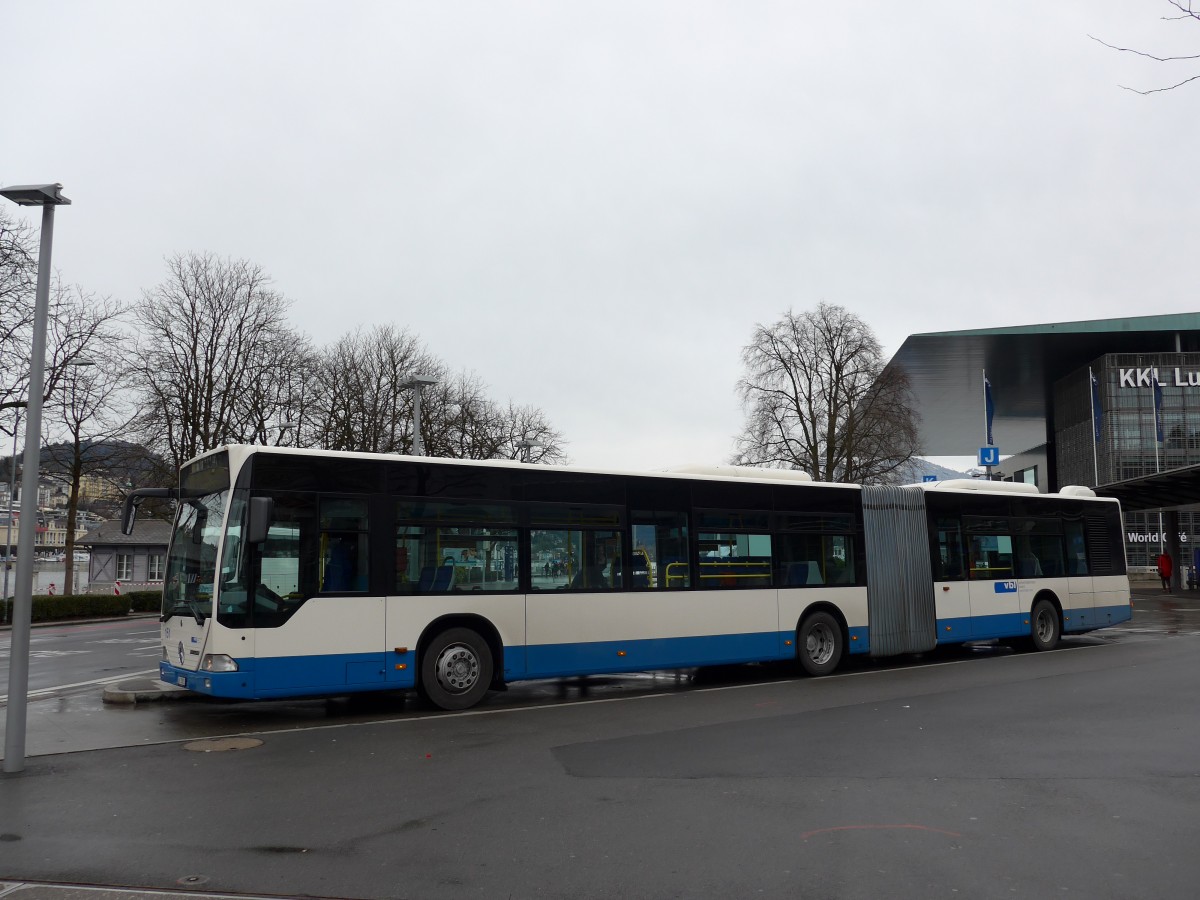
{"x": 525, "y": 446}
{"x": 416, "y": 383}
{"x": 47, "y": 196}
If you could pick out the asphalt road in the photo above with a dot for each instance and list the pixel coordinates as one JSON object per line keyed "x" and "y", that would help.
{"x": 85, "y": 653}
{"x": 1073, "y": 773}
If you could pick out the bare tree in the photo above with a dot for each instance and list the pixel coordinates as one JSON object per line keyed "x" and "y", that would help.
{"x": 459, "y": 420}
{"x": 67, "y": 335}
{"x": 213, "y": 347}
{"x": 273, "y": 410}
{"x": 527, "y": 435}
{"x": 1183, "y": 11}
{"x": 86, "y": 410}
{"x": 360, "y": 399}
{"x": 817, "y": 398}
{"x": 18, "y": 274}
{"x": 467, "y": 424}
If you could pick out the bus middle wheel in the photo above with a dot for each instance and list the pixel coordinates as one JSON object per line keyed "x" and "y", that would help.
{"x": 1045, "y": 628}
{"x": 819, "y": 643}
{"x": 456, "y": 669}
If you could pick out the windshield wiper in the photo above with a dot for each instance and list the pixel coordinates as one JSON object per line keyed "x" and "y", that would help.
{"x": 188, "y": 606}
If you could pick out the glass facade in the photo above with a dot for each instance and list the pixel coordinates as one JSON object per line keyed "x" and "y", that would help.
{"x": 1129, "y": 445}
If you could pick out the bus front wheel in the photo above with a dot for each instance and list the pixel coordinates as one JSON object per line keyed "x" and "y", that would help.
{"x": 1044, "y": 626}
{"x": 819, "y": 643}
{"x": 456, "y": 669}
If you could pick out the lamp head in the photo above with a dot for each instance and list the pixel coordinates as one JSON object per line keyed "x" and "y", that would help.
{"x": 417, "y": 380}
{"x": 35, "y": 195}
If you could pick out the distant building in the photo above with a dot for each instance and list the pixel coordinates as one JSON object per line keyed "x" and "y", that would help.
{"x": 138, "y": 561}
{"x": 98, "y": 487}
{"x": 50, "y": 536}
{"x": 1094, "y": 403}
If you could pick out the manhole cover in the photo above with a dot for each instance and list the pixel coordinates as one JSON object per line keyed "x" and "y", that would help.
{"x": 216, "y": 745}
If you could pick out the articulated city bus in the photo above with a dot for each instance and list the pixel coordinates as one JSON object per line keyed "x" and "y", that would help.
{"x": 306, "y": 573}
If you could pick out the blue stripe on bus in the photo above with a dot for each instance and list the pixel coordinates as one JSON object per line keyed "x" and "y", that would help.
{"x": 1010, "y": 625}
{"x": 860, "y": 640}
{"x": 299, "y": 676}
{"x": 553, "y": 660}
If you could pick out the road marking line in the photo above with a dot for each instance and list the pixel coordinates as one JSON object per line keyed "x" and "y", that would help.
{"x": 66, "y": 687}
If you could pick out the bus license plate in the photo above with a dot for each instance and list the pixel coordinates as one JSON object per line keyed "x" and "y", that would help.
{"x": 181, "y": 680}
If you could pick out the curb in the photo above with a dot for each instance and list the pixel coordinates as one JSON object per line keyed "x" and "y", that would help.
{"x": 144, "y": 690}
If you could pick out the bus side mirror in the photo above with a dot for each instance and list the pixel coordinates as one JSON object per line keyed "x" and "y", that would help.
{"x": 129, "y": 515}
{"x": 134, "y": 498}
{"x": 262, "y": 511}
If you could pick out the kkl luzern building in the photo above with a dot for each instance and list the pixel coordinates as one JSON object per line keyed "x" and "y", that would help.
{"x": 1113, "y": 404}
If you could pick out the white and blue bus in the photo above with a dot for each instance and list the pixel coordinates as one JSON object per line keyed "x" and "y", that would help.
{"x": 297, "y": 573}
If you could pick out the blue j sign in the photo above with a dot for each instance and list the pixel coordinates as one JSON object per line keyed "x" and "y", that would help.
{"x": 989, "y": 456}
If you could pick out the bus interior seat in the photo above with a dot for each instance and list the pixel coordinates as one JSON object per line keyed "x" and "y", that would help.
{"x": 425, "y": 583}
{"x": 801, "y": 573}
{"x": 442, "y": 579}
{"x": 435, "y": 579}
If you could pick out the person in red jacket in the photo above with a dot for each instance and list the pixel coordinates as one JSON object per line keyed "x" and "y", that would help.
{"x": 1164, "y": 572}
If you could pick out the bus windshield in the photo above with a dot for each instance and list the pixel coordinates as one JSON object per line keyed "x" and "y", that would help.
{"x": 192, "y": 558}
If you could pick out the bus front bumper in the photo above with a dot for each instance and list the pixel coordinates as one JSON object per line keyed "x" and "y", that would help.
{"x": 213, "y": 684}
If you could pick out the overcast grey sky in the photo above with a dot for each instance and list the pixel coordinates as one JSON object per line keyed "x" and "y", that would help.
{"x": 592, "y": 204}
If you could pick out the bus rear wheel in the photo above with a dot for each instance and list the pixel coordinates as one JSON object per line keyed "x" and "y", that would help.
{"x": 456, "y": 669}
{"x": 819, "y": 643}
{"x": 1045, "y": 628}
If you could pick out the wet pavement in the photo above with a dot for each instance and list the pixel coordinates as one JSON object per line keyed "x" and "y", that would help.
{"x": 141, "y": 711}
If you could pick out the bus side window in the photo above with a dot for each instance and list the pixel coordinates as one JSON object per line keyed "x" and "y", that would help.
{"x": 580, "y": 560}
{"x": 991, "y": 557}
{"x": 344, "y": 544}
{"x": 1077, "y": 561}
{"x": 948, "y": 560}
{"x": 734, "y": 560}
{"x": 660, "y": 550}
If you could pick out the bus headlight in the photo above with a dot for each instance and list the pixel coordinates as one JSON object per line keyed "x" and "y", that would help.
{"x": 218, "y": 662}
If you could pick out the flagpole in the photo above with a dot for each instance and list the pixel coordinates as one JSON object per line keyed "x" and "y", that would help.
{"x": 1095, "y": 431}
{"x": 1155, "y": 390}
{"x": 986, "y": 442}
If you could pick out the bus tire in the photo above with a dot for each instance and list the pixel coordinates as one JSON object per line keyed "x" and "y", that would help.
{"x": 456, "y": 669}
{"x": 819, "y": 643}
{"x": 1045, "y": 627}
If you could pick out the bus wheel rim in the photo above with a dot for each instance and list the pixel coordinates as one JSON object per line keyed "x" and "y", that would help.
{"x": 819, "y": 644}
{"x": 1045, "y": 628}
{"x": 457, "y": 668}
